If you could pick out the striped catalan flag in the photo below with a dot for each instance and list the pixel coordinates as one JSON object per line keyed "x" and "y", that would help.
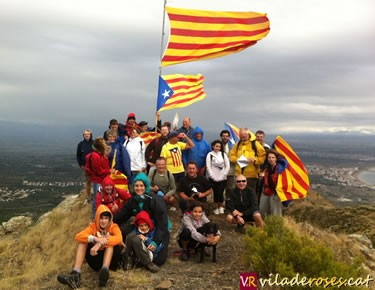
{"x": 293, "y": 182}
{"x": 199, "y": 34}
{"x": 187, "y": 89}
{"x": 149, "y": 136}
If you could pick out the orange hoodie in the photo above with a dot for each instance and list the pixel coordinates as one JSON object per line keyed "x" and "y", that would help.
{"x": 112, "y": 231}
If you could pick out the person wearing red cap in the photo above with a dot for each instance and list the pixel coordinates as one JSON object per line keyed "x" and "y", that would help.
{"x": 131, "y": 123}
{"x": 140, "y": 244}
{"x": 114, "y": 198}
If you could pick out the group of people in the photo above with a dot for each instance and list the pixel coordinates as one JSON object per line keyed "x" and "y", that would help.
{"x": 178, "y": 168}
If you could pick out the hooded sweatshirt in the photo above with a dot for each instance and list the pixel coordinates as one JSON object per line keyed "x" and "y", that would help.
{"x": 245, "y": 149}
{"x": 144, "y": 217}
{"x": 97, "y": 166}
{"x": 112, "y": 231}
{"x": 136, "y": 148}
{"x": 118, "y": 196}
{"x": 154, "y": 205}
{"x": 199, "y": 152}
{"x": 217, "y": 165}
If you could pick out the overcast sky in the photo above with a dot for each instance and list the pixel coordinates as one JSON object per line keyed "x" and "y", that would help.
{"x": 86, "y": 62}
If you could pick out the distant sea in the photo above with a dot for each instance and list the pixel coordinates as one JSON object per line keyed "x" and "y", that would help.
{"x": 368, "y": 176}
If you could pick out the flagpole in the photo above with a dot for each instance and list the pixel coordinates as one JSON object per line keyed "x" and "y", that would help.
{"x": 162, "y": 38}
{"x": 157, "y": 116}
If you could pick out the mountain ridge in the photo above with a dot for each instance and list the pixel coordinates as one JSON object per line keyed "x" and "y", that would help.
{"x": 35, "y": 257}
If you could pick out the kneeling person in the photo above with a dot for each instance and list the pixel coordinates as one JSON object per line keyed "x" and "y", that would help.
{"x": 190, "y": 234}
{"x": 193, "y": 187}
{"x": 97, "y": 244}
{"x": 243, "y": 205}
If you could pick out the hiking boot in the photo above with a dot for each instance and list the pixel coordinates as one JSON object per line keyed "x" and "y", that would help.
{"x": 103, "y": 276}
{"x": 127, "y": 262}
{"x": 152, "y": 267}
{"x": 184, "y": 255}
{"x": 73, "y": 280}
{"x": 241, "y": 229}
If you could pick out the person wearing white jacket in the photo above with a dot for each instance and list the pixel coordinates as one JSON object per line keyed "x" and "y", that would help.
{"x": 136, "y": 148}
{"x": 218, "y": 166}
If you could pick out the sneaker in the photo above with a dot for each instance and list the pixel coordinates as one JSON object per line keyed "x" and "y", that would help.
{"x": 73, "y": 279}
{"x": 103, "y": 276}
{"x": 216, "y": 211}
{"x": 152, "y": 267}
{"x": 173, "y": 208}
{"x": 184, "y": 255}
{"x": 221, "y": 210}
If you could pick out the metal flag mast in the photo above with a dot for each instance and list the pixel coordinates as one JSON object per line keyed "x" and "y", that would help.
{"x": 162, "y": 38}
{"x": 157, "y": 115}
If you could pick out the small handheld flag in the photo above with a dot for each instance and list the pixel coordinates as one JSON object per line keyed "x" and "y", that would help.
{"x": 234, "y": 132}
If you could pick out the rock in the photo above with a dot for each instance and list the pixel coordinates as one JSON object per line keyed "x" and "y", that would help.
{"x": 68, "y": 203}
{"x": 17, "y": 224}
{"x": 166, "y": 284}
{"x": 361, "y": 239}
{"x": 366, "y": 248}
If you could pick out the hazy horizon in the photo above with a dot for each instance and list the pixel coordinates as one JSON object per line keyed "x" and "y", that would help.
{"x": 18, "y": 135}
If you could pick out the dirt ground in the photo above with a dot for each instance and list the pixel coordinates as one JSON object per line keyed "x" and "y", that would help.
{"x": 177, "y": 274}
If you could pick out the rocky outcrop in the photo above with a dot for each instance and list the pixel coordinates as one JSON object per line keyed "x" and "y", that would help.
{"x": 16, "y": 225}
{"x": 364, "y": 245}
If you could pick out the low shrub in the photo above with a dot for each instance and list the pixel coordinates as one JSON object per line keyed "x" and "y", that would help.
{"x": 278, "y": 250}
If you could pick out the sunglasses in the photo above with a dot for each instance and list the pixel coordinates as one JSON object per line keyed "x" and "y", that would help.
{"x": 238, "y": 181}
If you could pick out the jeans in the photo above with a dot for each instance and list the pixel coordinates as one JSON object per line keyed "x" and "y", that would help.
{"x": 96, "y": 187}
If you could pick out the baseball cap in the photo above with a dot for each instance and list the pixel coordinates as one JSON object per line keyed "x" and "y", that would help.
{"x": 131, "y": 115}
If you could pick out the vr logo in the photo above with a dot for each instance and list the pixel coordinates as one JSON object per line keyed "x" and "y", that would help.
{"x": 248, "y": 281}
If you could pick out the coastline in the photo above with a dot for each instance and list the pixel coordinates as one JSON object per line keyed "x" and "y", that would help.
{"x": 361, "y": 170}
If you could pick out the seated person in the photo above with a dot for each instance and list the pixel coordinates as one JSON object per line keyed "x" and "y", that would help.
{"x": 114, "y": 198}
{"x": 143, "y": 199}
{"x": 140, "y": 244}
{"x": 162, "y": 181}
{"x": 243, "y": 205}
{"x": 193, "y": 187}
{"x": 97, "y": 244}
{"x": 189, "y": 236}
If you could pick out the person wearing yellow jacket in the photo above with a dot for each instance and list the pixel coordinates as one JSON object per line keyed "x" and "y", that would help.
{"x": 247, "y": 155}
{"x": 97, "y": 244}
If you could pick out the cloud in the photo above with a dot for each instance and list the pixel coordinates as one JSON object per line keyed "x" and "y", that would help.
{"x": 89, "y": 61}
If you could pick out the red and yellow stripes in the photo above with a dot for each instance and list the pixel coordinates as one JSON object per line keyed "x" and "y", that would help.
{"x": 149, "y": 136}
{"x": 199, "y": 34}
{"x": 187, "y": 89}
{"x": 293, "y": 182}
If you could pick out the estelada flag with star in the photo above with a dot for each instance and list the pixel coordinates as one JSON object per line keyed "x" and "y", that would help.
{"x": 177, "y": 91}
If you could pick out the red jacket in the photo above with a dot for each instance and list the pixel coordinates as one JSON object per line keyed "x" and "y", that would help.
{"x": 270, "y": 189}
{"x": 97, "y": 167}
{"x": 118, "y": 196}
